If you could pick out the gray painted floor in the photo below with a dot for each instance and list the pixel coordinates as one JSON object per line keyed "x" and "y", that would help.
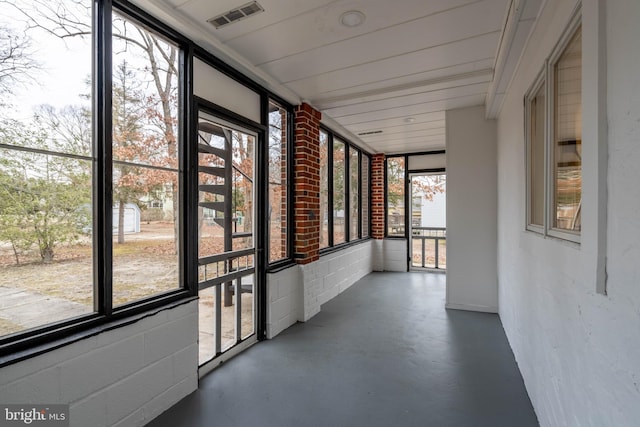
{"x": 383, "y": 353}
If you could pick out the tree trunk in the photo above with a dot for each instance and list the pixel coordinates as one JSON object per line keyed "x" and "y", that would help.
{"x": 15, "y": 253}
{"x": 47, "y": 254}
{"x": 121, "y": 222}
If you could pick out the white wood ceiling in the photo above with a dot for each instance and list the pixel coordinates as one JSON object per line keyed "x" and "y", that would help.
{"x": 390, "y": 78}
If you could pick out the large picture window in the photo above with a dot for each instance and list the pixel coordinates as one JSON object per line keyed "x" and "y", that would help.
{"x": 354, "y": 194}
{"x": 324, "y": 190}
{"x": 46, "y": 156}
{"x": 344, "y": 191}
{"x": 364, "y": 179}
{"x": 339, "y": 191}
{"x": 89, "y": 215}
{"x": 278, "y": 179}
{"x": 395, "y": 188}
{"x": 145, "y": 162}
{"x": 553, "y": 110}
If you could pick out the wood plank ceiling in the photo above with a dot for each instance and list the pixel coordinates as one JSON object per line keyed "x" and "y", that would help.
{"x": 386, "y": 82}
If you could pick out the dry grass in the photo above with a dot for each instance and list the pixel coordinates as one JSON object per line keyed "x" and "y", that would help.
{"x": 7, "y": 327}
{"x": 146, "y": 264}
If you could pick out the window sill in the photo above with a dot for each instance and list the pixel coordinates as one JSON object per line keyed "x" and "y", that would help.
{"x": 280, "y": 265}
{"x": 550, "y": 237}
{"x": 341, "y": 246}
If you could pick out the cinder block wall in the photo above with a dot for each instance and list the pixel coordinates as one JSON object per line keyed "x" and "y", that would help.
{"x": 395, "y": 255}
{"x": 297, "y": 293}
{"x": 123, "y": 377}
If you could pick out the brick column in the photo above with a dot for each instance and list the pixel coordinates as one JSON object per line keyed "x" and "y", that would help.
{"x": 377, "y": 196}
{"x": 306, "y": 184}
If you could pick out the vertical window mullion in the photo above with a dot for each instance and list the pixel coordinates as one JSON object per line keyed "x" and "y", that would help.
{"x": 330, "y": 189}
{"x": 189, "y": 167}
{"x": 289, "y": 183}
{"x": 369, "y": 193}
{"x": 102, "y": 143}
{"x": 360, "y": 193}
{"x": 347, "y": 192}
{"x": 407, "y": 200}
{"x": 547, "y": 142}
{"x": 385, "y": 202}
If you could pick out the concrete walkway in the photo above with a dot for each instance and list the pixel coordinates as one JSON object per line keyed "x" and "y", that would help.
{"x": 383, "y": 353}
{"x": 24, "y": 309}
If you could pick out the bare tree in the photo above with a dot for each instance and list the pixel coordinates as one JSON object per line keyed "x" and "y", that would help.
{"x": 16, "y": 61}
{"x": 66, "y": 19}
{"x": 60, "y": 18}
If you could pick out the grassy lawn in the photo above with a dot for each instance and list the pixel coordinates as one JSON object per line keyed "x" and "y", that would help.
{"x": 146, "y": 264}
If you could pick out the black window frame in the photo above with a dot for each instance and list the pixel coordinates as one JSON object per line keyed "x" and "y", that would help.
{"x": 29, "y": 343}
{"x": 349, "y": 240}
{"x": 288, "y": 260}
{"x": 405, "y": 183}
{"x": 21, "y": 345}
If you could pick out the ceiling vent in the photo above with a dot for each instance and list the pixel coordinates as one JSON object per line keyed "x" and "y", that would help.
{"x": 373, "y": 132}
{"x": 236, "y": 14}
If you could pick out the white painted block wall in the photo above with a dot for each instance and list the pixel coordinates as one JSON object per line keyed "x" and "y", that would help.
{"x": 284, "y": 290}
{"x": 395, "y": 255}
{"x": 297, "y": 293}
{"x": 390, "y": 255}
{"x": 377, "y": 249}
{"x": 472, "y": 282}
{"x": 123, "y": 377}
{"x": 578, "y": 351}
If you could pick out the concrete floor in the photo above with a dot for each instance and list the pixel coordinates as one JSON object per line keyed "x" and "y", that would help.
{"x": 383, "y": 353}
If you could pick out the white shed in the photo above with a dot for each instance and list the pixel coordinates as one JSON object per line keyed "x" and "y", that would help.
{"x": 131, "y": 218}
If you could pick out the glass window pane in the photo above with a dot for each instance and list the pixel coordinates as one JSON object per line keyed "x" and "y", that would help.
{"x": 567, "y": 149}
{"x": 243, "y": 149}
{"x": 277, "y": 183}
{"x": 365, "y": 195}
{"x": 213, "y": 148}
{"x": 207, "y": 306}
{"x": 145, "y": 168}
{"x": 45, "y": 196}
{"x": 536, "y": 156}
{"x": 324, "y": 189}
{"x": 395, "y": 196}
{"x": 354, "y": 195}
{"x": 339, "y": 179}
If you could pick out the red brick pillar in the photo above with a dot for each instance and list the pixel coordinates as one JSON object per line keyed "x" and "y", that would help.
{"x": 306, "y": 184}
{"x": 377, "y": 196}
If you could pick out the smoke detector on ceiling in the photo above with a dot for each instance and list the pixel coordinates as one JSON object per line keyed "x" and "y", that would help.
{"x": 352, "y": 18}
{"x": 236, "y": 14}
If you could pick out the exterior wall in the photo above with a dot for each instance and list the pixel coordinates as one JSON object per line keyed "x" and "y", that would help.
{"x": 472, "y": 282}
{"x": 434, "y": 212}
{"x": 377, "y": 250}
{"x": 297, "y": 293}
{"x": 306, "y": 177}
{"x": 578, "y": 350}
{"x": 123, "y": 377}
{"x": 394, "y": 254}
{"x": 284, "y": 290}
{"x": 377, "y": 196}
